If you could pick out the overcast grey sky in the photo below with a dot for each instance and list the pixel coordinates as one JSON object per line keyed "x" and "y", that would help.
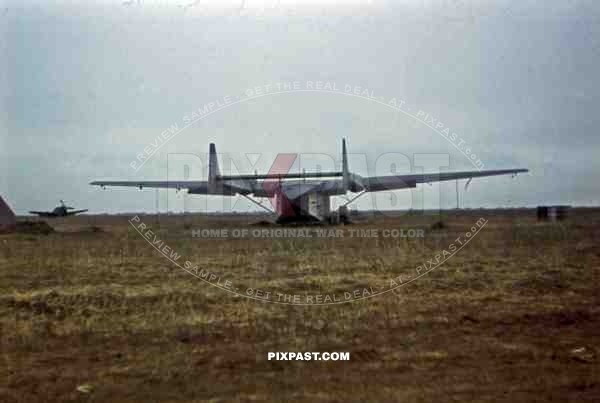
{"x": 84, "y": 89}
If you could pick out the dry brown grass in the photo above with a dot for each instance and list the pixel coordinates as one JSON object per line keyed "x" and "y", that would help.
{"x": 101, "y": 309}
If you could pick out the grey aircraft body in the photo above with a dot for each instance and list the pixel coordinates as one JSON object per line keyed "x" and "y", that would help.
{"x": 60, "y": 211}
{"x": 302, "y": 197}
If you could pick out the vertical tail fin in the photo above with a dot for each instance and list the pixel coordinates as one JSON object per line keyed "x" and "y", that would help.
{"x": 345, "y": 171}
{"x": 8, "y": 221}
{"x": 213, "y": 167}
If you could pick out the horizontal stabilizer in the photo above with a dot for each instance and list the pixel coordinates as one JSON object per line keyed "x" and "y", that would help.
{"x": 283, "y": 176}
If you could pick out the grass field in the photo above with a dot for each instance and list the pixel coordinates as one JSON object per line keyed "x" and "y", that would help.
{"x": 94, "y": 313}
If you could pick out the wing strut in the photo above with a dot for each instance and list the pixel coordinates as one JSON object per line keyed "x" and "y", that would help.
{"x": 355, "y": 197}
{"x": 259, "y": 204}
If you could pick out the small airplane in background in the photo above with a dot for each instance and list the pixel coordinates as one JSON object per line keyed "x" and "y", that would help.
{"x": 60, "y": 211}
{"x": 302, "y": 197}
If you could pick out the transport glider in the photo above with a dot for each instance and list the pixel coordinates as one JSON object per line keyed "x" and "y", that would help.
{"x": 302, "y": 197}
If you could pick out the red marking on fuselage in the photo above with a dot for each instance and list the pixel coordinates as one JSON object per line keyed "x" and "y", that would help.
{"x": 281, "y": 166}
